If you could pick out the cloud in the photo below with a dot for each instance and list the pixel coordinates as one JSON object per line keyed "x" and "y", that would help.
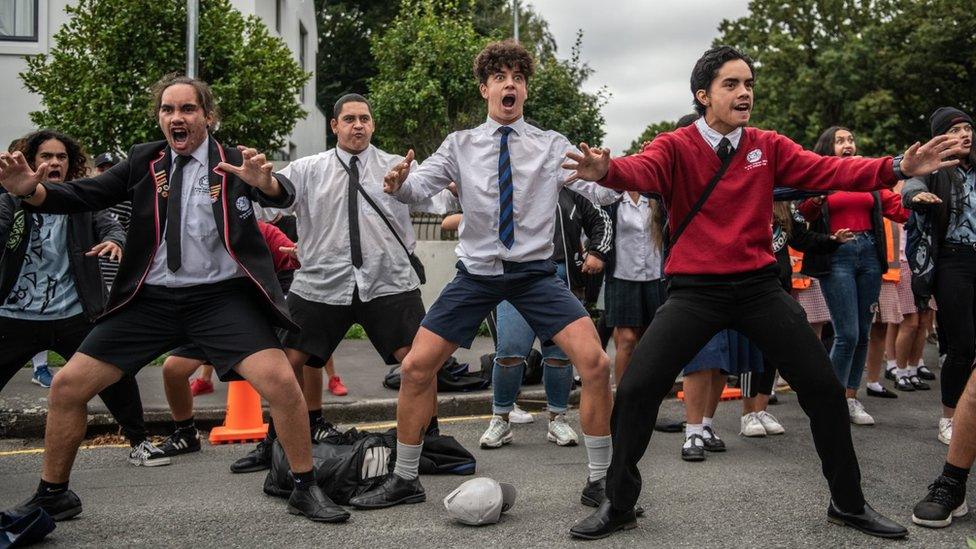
{"x": 641, "y": 50}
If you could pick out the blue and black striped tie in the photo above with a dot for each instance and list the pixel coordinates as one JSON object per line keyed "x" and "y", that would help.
{"x": 506, "y": 221}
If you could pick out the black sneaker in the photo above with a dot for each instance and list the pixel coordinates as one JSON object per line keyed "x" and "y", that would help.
{"x": 322, "y": 430}
{"x": 904, "y": 384}
{"x": 61, "y": 506}
{"x": 256, "y": 460}
{"x": 147, "y": 454}
{"x": 946, "y": 500}
{"x": 712, "y": 442}
{"x": 316, "y": 506}
{"x": 182, "y": 441}
{"x": 394, "y": 491}
{"x": 919, "y": 384}
{"x": 926, "y": 374}
{"x": 890, "y": 374}
{"x": 693, "y": 449}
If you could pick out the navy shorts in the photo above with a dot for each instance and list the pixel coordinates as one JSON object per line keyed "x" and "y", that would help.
{"x": 532, "y": 287}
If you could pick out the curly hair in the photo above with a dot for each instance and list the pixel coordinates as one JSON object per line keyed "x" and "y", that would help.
{"x": 707, "y": 67}
{"x": 498, "y": 55}
{"x": 77, "y": 159}
{"x": 205, "y": 96}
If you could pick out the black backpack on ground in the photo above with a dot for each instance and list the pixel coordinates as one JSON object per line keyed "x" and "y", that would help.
{"x": 453, "y": 377}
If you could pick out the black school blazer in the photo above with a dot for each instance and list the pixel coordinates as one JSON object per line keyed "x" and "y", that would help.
{"x": 143, "y": 178}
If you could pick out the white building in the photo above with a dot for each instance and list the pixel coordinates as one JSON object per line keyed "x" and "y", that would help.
{"x": 27, "y": 27}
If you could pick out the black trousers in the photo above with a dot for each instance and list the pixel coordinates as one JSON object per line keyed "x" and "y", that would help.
{"x": 755, "y": 305}
{"x": 22, "y": 339}
{"x": 955, "y": 294}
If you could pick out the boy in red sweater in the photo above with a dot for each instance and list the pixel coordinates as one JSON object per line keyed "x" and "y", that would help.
{"x": 723, "y": 275}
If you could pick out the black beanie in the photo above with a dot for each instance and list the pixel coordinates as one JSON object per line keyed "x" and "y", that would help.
{"x": 946, "y": 117}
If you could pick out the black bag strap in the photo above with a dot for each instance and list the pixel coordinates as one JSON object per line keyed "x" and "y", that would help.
{"x": 701, "y": 200}
{"x": 379, "y": 211}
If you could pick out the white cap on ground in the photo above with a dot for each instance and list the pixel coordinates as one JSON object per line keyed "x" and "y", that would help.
{"x": 480, "y": 501}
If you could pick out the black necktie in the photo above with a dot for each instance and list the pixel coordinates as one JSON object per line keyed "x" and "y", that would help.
{"x": 725, "y": 149}
{"x": 354, "y": 244}
{"x": 174, "y": 252}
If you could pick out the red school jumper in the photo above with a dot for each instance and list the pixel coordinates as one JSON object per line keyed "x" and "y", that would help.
{"x": 732, "y": 234}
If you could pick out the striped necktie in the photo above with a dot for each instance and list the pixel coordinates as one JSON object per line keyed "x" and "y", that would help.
{"x": 506, "y": 221}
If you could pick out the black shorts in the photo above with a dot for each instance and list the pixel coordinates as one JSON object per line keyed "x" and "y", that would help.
{"x": 22, "y": 339}
{"x": 390, "y": 322}
{"x": 225, "y": 320}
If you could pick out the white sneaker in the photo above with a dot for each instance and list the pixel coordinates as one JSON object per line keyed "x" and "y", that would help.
{"x": 750, "y": 426}
{"x": 770, "y": 423}
{"x": 858, "y": 416}
{"x": 499, "y": 432}
{"x": 146, "y": 454}
{"x": 945, "y": 430}
{"x": 518, "y": 415}
{"x": 560, "y": 432}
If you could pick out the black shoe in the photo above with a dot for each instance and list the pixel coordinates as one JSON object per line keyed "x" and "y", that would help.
{"x": 316, "y": 506}
{"x": 694, "y": 451}
{"x": 773, "y": 399}
{"x": 926, "y": 374}
{"x": 271, "y": 488}
{"x": 904, "y": 384}
{"x": 595, "y": 492}
{"x": 919, "y": 384}
{"x": 182, "y": 441}
{"x": 712, "y": 442}
{"x": 669, "y": 426}
{"x": 603, "y": 522}
{"x": 883, "y": 393}
{"x": 946, "y": 500}
{"x": 890, "y": 374}
{"x": 394, "y": 491}
{"x": 61, "y": 506}
{"x": 868, "y": 521}
{"x": 256, "y": 460}
{"x": 322, "y": 430}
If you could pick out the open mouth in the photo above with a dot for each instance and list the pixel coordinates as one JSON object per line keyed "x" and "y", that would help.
{"x": 179, "y": 135}
{"x": 508, "y": 101}
{"x": 54, "y": 174}
{"x": 742, "y": 107}
{"x": 847, "y": 152}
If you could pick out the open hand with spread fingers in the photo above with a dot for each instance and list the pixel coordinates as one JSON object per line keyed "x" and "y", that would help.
{"x": 591, "y": 165}
{"x": 255, "y": 170}
{"x": 17, "y": 176}
{"x": 926, "y": 198}
{"x": 395, "y": 177}
{"x": 942, "y": 151}
{"x": 107, "y": 248}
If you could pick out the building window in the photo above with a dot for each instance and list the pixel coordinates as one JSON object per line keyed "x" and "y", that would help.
{"x": 278, "y": 15}
{"x": 302, "y": 40}
{"x": 18, "y": 20}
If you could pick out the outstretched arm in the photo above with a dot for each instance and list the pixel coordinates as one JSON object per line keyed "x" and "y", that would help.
{"x": 411, "y": 183}
{"x": 80, "y": 195}
{"x": 647, "y": 171}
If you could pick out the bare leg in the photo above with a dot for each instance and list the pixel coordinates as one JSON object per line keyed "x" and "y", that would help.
{"x": 271, "y": 375}
{"x": 715, "y": 392}
{"x": 176, "y": 374}
{"x": 624, "y": 340}
{"x": 697, "y": 388}
{"x": 417, "y": 401}
{"x": 207, "y": 373}
{"x": 581, "y": 343}
{"x": 907, "y": 330}
{"x": 330, "y": 368}
{"x": 77, "y": 382}
{"x": 312, "y": 388}
{"x": 875, "y": 359}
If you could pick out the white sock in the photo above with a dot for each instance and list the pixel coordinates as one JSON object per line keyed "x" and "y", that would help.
{"x": 408, "y": 460}
{"x": 706, "y": 422}
{"x": 599, "y": 450}
{"x": 875, "y": 386}
{"x": 694, "y": 429}
{"x": 890, "y": 365}
{"x": 912, "y": 370}
{"x": 901, "y": 372}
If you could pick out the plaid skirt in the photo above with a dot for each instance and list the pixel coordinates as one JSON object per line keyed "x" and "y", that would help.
{"x": 889, "y": 311}
{"x": 906, "y": 299}
{"x": 813, "y": 302}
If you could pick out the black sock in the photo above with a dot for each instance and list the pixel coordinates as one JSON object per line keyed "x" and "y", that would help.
{"x": 137, "y": 440}
{"x": 304, "y": 481}
{"x": 272, "y": 434}
{"x": 314, "y": 416}
{"x": 955, "y": 473}
{"x": 186, "y": 424}
{"x": 46, "y": 488}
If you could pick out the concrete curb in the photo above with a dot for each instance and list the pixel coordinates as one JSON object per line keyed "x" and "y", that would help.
{"x": 30, "y": 423}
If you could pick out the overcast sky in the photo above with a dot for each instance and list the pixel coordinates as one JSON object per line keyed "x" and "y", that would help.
{"x": 641, "y": 50}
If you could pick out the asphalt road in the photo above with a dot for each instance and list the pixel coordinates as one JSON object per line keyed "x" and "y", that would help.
{"x": 761, "y": 493}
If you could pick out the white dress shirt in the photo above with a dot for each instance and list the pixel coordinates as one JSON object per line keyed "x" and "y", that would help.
{"x": 321, "y": 209}
{"x": 470, "y": 158}
{"x": 204, "y": 258}
{"x": 713, "y": 138}
{"x": 637, "y": 257}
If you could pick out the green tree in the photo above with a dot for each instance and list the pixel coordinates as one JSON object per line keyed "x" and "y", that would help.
{"x": 649, "y": 134}
{"x": 95, "y": 82}
{"x": 879, "y": 67}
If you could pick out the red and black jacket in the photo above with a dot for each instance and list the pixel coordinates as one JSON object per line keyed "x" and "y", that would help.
{"x": 143, "y": 178}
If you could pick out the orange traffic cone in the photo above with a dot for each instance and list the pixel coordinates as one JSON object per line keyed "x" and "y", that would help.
{"x": 244, "y": 421}
{"x": 728, "y": 393}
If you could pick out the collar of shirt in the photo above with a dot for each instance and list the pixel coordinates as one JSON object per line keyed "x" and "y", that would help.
{"x": 641, "y": 200}
{"x": 346, "y": 156}
{"x": 713, "y": 138}
{"x": 519, "y": 126}
{"x": 200, "y": 154}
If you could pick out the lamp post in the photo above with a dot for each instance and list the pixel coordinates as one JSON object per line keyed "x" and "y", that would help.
{"x": 515, "y": 14}
{"x": 192, "y": 19}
